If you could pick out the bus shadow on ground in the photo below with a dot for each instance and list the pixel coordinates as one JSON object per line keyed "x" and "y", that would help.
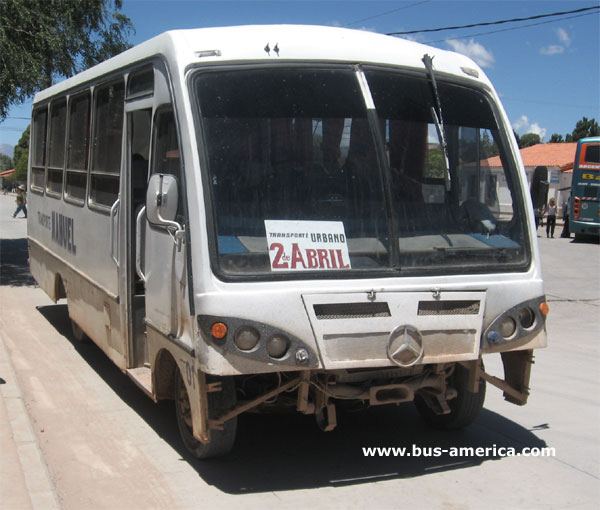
{"x": 14, "y": 266}
{"x": 284, "y": 452}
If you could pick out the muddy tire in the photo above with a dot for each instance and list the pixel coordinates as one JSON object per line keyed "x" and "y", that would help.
{"x": 221, "y": 441}
{"x": 464, "y": 409}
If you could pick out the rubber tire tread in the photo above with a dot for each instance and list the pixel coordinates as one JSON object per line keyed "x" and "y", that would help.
{"x": 464, "y": 408}
{"x": 221, "y": 441}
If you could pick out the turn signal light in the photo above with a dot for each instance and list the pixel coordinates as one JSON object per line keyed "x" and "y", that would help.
{"x": 544, "y": 308}
{"x": 218, "y": 330}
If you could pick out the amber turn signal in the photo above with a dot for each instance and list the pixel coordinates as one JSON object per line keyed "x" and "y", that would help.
{"x": 218, "y": 330}
{"x": 544, "y": 309}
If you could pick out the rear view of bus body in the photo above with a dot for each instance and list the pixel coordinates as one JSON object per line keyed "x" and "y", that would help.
{"x": 584, "y": 210}
{"x": 266, "y": 217}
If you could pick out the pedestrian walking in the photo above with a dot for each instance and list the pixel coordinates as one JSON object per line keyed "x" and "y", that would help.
{"x": 539, "y": 217}
{"x": 550, "y": 218}
{"x": 21, "y": 201}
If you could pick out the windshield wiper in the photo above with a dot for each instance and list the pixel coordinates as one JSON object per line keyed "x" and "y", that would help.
{"x": 436, "y": 113}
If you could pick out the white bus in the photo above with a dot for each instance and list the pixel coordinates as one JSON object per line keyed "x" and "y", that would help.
{"x": 288, "y": 217}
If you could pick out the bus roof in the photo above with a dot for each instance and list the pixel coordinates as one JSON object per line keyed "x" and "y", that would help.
{"x": 589, "y": 139}
{"x": 270, "y": 43}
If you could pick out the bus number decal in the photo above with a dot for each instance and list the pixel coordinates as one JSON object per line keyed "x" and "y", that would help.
{"x": 592, "y": 177}
{"x": 189, "y": 373}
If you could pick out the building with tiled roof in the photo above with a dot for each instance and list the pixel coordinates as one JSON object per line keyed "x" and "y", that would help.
{"x": 557, "y": 157}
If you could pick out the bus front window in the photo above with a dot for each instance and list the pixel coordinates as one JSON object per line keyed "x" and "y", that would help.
{"x": 299, "y": 181}
{"x": 291, "y": 157}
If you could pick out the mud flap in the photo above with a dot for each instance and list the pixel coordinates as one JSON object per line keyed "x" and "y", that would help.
{"x": 517, "y": 372}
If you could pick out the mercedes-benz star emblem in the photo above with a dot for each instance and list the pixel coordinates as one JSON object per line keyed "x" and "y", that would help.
{"x": 405, "y": 346}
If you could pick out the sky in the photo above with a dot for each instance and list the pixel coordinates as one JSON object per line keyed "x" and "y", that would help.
{"x": 547, "y": 75}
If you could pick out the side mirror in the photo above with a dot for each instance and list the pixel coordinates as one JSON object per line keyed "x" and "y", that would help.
{"x": 162, "y": 199}
{"x": 539, "y": 187}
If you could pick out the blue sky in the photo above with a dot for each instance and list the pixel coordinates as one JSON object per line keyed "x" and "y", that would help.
{"x": 547, "y": 75}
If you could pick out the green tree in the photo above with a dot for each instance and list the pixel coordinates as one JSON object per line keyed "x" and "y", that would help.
{"x": 529, "y": 139}
{"x": 21, "y": 156}
{"x": 5, "y": 162}
{"x": 43, "y": 40}
{"x": 585, "y": 128}
{"x": 556, "y": 138}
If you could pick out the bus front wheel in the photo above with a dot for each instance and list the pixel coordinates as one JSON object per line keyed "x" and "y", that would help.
{"x": 221, "y": 441}
{"x": 464, "y": 409}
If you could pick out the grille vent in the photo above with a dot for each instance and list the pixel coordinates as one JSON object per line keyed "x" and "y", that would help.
{"x": 351, "y": 310}
{"x": 448, "y": 307}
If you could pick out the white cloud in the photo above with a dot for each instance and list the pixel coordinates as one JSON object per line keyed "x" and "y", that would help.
{"x": 473, "y": 50}
{"x": 563, "y": 37}
{"x": 523, "y": 126}
{"x": 557, "y": 49}
{"x": 553, "y": 49}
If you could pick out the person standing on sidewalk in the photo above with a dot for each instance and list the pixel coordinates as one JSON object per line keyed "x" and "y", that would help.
{"x": 21, "y": 201}
{"x": 551, "y": 218}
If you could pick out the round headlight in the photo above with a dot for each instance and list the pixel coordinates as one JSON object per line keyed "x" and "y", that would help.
{"x": 246, "y": 338}
{"x": 277, "y": 346}
{"x": 526, "y": 317}
{"x": 507, "y": 327}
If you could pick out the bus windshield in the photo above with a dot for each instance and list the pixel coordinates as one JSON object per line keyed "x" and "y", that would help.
{"x": 304, "y": 178}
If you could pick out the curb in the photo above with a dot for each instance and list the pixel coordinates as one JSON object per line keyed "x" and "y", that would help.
{"x": 40, "y": 489}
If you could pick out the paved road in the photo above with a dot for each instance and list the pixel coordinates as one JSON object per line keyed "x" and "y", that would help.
{"x": 76, "y": 433}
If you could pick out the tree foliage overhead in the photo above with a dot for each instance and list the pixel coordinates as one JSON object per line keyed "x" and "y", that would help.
{"x": 43, "y": 40}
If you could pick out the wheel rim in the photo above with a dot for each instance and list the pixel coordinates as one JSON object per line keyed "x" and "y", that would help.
{"x": 183, "y": 403}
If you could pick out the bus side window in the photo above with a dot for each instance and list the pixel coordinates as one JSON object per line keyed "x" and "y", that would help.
{"x": 38, "y": 157}
{"x": 166, "y": 158}
{"x": 78, "y": 147}
{"x": 108, "y": 135}
{"x": 56, "y": 148}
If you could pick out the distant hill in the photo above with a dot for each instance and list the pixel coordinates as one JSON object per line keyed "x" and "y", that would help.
{"x": 7, "y": 150}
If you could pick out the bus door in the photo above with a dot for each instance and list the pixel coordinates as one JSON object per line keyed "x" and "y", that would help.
{"x": 155, "y": 262}
{"x": 162, "y": 258}
{"x": 139, "y": 128}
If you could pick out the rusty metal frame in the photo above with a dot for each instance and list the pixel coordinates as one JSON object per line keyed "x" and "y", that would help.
{"x": 217, "y": 422}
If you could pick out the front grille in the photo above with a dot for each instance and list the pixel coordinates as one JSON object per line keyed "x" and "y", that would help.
{"x": 351, "y": 310}
{"x": 448, "y": 307}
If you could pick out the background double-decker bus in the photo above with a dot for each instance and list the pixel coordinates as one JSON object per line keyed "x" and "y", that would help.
{"x": 584, "y": 214}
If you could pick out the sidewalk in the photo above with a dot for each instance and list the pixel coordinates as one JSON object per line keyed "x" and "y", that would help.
{"x": 24, "y": 479}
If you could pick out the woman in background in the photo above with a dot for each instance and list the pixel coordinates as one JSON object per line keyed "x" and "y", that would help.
{"x": 550, "y": 218}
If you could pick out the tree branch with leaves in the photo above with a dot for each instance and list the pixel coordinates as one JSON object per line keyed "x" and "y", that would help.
{"x": 42, "y": 41}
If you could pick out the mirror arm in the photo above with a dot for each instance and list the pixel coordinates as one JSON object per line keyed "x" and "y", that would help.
{"x": 176, "y": 231}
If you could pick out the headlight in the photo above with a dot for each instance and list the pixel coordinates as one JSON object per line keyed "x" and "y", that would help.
{"x": 277, "y": 346}
{"x": 507, "y": 327}
{"x": 526, "y": 317}
{"x": 517, "y": 324}
{"x": 246, "y": 338}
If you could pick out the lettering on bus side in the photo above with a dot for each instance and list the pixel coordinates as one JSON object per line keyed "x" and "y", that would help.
{"x": 63, "y": 232}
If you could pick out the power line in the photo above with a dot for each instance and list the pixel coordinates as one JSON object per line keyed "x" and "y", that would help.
{"x": 386, "y": 12}
{"x": 498, "y": 22}
{"x": 507, "y": 29}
